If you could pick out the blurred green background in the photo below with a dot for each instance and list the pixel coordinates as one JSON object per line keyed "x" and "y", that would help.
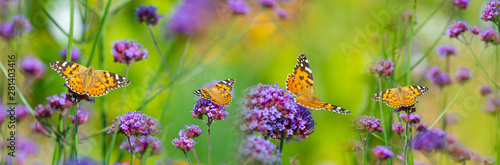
{"x": 340, "y": 39}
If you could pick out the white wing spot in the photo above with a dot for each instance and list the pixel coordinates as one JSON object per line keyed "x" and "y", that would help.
{"x": 59, "y": 68}
{"x": 308, "y": 69}
{"x": 64, "y": 64}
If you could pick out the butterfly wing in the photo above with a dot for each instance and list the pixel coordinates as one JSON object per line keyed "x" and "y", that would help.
{"x": 111, "y": 80}
{"x": 67, "y": 69}
{"x": 412, "y": 93}
{"x": 97, "y": 88}
{"x": 220, "y": 93}
{"x": 388, "y": 97}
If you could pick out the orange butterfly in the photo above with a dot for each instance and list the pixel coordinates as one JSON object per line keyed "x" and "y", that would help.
{"x": 401, "y": 96}
{"x": 220, "y": 93}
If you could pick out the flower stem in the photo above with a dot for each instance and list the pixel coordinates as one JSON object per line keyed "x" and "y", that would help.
{"x": 484, "y": 70}
{"x": 209, "y": 144}
{"x": 132, "y": 150}
{"x": 159, "y": 51}
{"x": 407, "y": 141}
{"x": 70, "y": 37}
{"x": 98, "y": 37}
{"x": 189, "y": 161}
{"x": 196, "y": 156}
{"x": 382, "y": 118}
{"x": 282, "y": 142}
{"x": 249, "y": 159}
{"x": 363, "y": 142}
{"x": 183, "y": 56}
{"x": 408, "y": 70}
{"x": 75, "y": 145}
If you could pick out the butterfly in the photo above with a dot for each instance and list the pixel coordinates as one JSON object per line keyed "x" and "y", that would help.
{"x": 300, "y": 83}
{"x": 83, "y": 80}
{"x": 220, "y": 93}
{"x": 401, "y": 96}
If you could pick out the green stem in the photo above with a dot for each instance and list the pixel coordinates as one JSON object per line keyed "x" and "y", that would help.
{"x": 99, "y": 32}
{"x": 102, "y": 103}
{"x": 363, "y": 143}
{"x": 70, "y": 37}
{"x": 209, "y": 144}
{"x": 282, "y": 142}
{"x": 46, "y": 11}
{"x": 117, "y": 122}
{"x": 249, "y": 159}
{"x": 159, "y": 51}
{"x": 484, "y": 70}
{"x": 382, "y": 118}
{"x": 189, "y": 161}
{"x": 132, "y": 151}
{"x": 196, "y": 156}
{"x": 408, "y": 71}
{"x": 184, "y": 52}
{"x": 407, "y": 140}
{"x": 277, "y": 24}
{"x": 75, "y": 113}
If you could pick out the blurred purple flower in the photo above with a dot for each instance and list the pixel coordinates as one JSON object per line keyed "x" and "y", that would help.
{"x": 438, "y": 77}
{"x": 367, "y": 124}
{"x": 238, "y": 6}
{"x": 382, "y": 68}
{"x": 261, "y": 149}
{"x": 412, "y": 118}
{"x": 489, "y": 160}
{"x": 459, "y": 153}
{"x": 476, "y": 30}
{"x": 282, "y": 13}
{"x": 462, "y": 75}
{"x": 457, "y": 28}
{"x": 489, "y": 36}
{"x": 446, "y": 50}
{"x": 184, "y": 143}
{"x": 33, "y": 67}
{"x": 485, "y": 90}
{"x": 192, "y": 131}
{"x": 143, "y": 143}
{"x": 59, "y": 103}
{"x": 210, "y": 109}
{"x": 82, "y": 117}
{"x": 147, "y": 14}
{"x": 272, "y": 111}
{"x": 22, "y": 112}
{"x": 7, "y": 31}
{"x": 191, "y": 17}
{"x": 382, "y": 152}
{"x": 421, "y": 127}
{"x": 128, "y": 52}
{"x": 491, "y": 11}
{"x": 461, "y": 4}
{"x": 21, "y": 24}
{"x": 75, "y": 53}
{"x": 451, "y": 118}
{"x": 268, "y": 3}
{"x": 398, "y": 128}
{"x": 135, "y": 123}
{"x": 492, "y": 105}
{"x": 433, "y": 139}
{"x": 43, "y": 111}
{"x": 27, "y": 146}
{"x": 38, "y": 128}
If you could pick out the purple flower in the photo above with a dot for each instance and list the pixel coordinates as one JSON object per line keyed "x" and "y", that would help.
{"x": 412, "y": 118}
{"x": 147, "y": 14}
{"x": 421, "y": 127}
{"x": 367, "y": 124}
{"x": 451, "y": 118}
{"x": 461, "y": 4}
{"x": 438, "y": 77}
{"x": 492, "y": 105}
{"x": 22, "y": 112}
{"x": 75, "y": 53}
{"x": 191, "y": 131}
{"x": 59, "y": 103}
{"x": 135, "y": 123}
{"x": 7, "y": 31}
{"x": 272, "y": 111}
{"x": 128, "y": 52}
{"x": 463, "y": 75}
{"x": 33, "y": 67}
{"x": 398, "y": 128}
{"x": 282, "y": 13}
{"x": 382, "y": 68}
{"x": 489, "y": 160}
{"x": 210, "y": 109}
{"x": 38, "y": 128}
{"x": 460, "y": 153}
{"x": 433, "y": 139}
{"x": 491, "y": 11}
{"x": 457, "y": 28}
{"x": 405, "y": 109}
{"x": 27, "y": 146}
{"x": 184, "y": 143}
{"x": 446, "y": 50}
{"x": 261, "y": 149}
{"x": 382, "y": 152}
{"x": 82, "y": 117}
{"x": 43, "y": 111}
{"x": 485, "y": 90}
{"x": 476, "y": 30}
{"x": 75, "y": 98}
{"x": 191, "y": 17}
{"x": 268, "y": 3}
{"x": 21, "y": 24}
{"x": 489, "y": 36}
{"x": 238, "y": 6}
{"x": 142, "y": 144}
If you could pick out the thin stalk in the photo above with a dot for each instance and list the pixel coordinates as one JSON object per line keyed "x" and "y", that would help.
{"x": 209, "y": 144}
{"x": 408, "y": 70}
{"x": 132, "y": 150}
{"x": 99, "y": 32}
{"x": 277, "y": 24}
{"x": 382, "y": 118}
{"x": 46, "y": 11}
{"x": 55, "y": 156}
{"x": 118, "y": 122}
{"x": 282, "y": 142}
{"x": 183, "y": 56}
{"x": 363, "y": 142}
{"x": 249, "y": 159}
{"x": 75, "y": 145}
{"x": 484, "y": 70}
{"x": 185, "y": 153}
{"x": 443, "y": 104}
{"x": 196, "y": 156}
{"x": 102, "y": 103}
{"x": 407, "y": 140}
{"x": 159, "y": 51}
{"x": 70, "y": 37}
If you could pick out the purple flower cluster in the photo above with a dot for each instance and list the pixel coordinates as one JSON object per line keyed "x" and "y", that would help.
{"x": 186, "y": 142}
{"x": 43, "y": 111}
{"x": 398, "y": 128}
{"x": 457, "y": 28}
{"x": 421, "y": 127}
{"x": 382, "y": 68}
{"x": 382, "y": 152}
{"x": 210, "y": 109}
{"x": 492, "y": 105}
{"x": 489, "y": 36}
{"x": 438, "y": 77}
{"x": 272, "y": 111}
{"x": 485, "y": 90}
{"x": 491, "y": 11}
{"x": 16, "y": 27}
{"x": 75, "y": 98}
{"x": 37, "y": 127}
{"x": 22, "y": 112}
{"x": 59, "y": 102}
{"x": 192, "y": 131}
{"x": 268, "y": 3}
{"x": 143, "y": 142}
{"x": 278, "y": 11}
{"x": 82, "y": 117}
{"x": 136, "y": 124}
{"x": 24, "y": 148}
{"x": 476, "y": 30}
{"x": 461, "y": 4}
{"x": 33, "y": 67}
{"x": 239, "y": 7}
{"x": 147, "y": 14}
{"x": 433, "y": 139}
{"x": 261, "y": 149}
{"x": 462, "y": 75}
{"x": 128, "y": 52}
{"x": 412, "y": 118}
{"x": 446, "y": 50}
{"x": 192, "y": 17}
{"x": 460, "y": 153}
{"x": 367, "y": 124}
{"x": 75, "y": 53}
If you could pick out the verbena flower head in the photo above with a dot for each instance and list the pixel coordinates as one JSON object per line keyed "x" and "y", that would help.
{"x": 421, "y": 127}
{"x": 142, "y": 144}
{"x": 382, "y": 152}
{"x": 184, "y": 143}
{"x": 147, "y": 14}
{"x": 459, "y": 153}
{"x": 412, "y": 118}
{"x": 210, "y": 109}
{"x": 367, "y": 124}
{"x": 82, "y": 117}
{"x": 398, "y": 128}
{"x": 489, "y": 36}
{"x": 446, "y": 50}
{"x": 128, "y": 52}
{"x": 261, "y": 149}
{"x": 191, "y": 17}
{"x": 476, "y": 30}
{"x": 492, "y": 105}
{"x": 405, "y": 109}
{"x": 238, "y": 6}
{"x": 491, "y": 11}
{"x": 7, "y": 31}
{"x": 27, "y": 146}
{"x": 282, "y": 13}
{"x": 272, "y": 111}
{"x": 382, "y": 68}
{"x": 461, "y": 4}
{"x": 37, "y": 127}
{"x": 21, "y": 24}
{"x": 135, "y": 123}
{"x": 488, "y": 160}
{"x": 75, "y": 53}
{"x": 59, "y": 102}
{"x": 462, "y": 75}
{"x": 268, "y": 3}
{"x": 22, "y": 112}
{"x": 75, "y": 98}
{"x": 33, "y": 67}
{"x": 43, "y": 111}
{"x": 433, "y": 139}
{"x": 192, "y": 131}
{"x": 485, "y": 90}
{"x": 438, "y": 77}
{"x": 457, "y": 28}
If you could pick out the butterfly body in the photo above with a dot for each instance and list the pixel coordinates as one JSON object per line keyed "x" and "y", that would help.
{"x": 401, "y": 96}
{"x": 220, "y": 93}
{"x": 83, "y": 80}
{"x": 301, "y": 84}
